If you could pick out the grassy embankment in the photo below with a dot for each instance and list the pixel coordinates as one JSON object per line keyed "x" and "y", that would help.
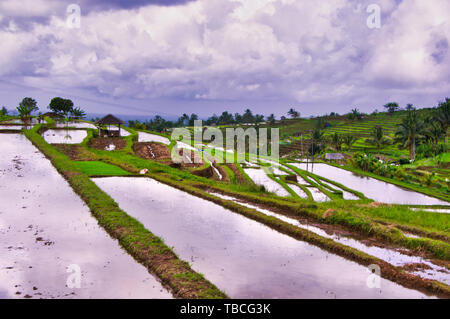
{"x": 144, "y": 246}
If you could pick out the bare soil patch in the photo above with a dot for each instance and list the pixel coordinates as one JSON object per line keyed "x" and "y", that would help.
{"x": 75, "y": 152}
{"x": 101, "y": 143}
{"x": 152, "y": 151}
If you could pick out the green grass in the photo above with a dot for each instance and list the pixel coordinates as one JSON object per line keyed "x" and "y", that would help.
{"x": 94, "y": 168}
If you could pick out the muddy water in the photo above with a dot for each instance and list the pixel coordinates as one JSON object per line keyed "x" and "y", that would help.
{"x": 244, "y": 258}
{"x": 374, "y": 189}
{"x": 147, "y": 137}
{"x": 394, "y": 257}
{"x": 259, "y": 177}
{"x": 64, "y": 136}
{"x": 45, "y": 228}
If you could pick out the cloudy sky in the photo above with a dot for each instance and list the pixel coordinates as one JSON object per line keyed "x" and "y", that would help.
{"x": 205, "y": 56}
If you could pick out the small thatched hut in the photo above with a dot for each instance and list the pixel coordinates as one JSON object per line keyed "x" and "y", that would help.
{"x": 107, "y": 121}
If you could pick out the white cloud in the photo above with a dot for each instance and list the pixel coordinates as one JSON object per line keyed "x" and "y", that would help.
{"x": 236, "y": 50}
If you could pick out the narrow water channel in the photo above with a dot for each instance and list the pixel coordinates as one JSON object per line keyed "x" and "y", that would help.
{"x": 46, "y": 229}
{"x": 242, "y": 257}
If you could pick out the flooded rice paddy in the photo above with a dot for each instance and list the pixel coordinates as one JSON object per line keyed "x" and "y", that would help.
{"x": 242, "y": 257}
{"x": 76, "y": 125}
{"x": 64, "y": 136}
{"x": 259, "y": 177}
{"x": 147, "y": 137}
{"x": 45, "y": 228}
{"x": 394, "y": 257}
{"x": 374, "y": 189}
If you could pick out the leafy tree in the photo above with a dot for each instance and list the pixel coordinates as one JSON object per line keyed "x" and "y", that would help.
{"x": 3, "y": 111}
{"x": 293, "y": 113}
{"x": 194, "y": 117}
{"x": 349, "y": 140}
{"x": 410, "y": 131}
{"x": 248, "y": 117}
{"x": 259, "y": 118}
{"x": 442, "y": 115}
{"x": 377, "y": 138}
{"x": 392, "y": 107}
{"x": 26, "y": 107}
{"x": 336, "y": 141}
{"x": 433, "y": 129}
{"x": 409, "y": 107}
{"x": 226, "y": 118}
{"x": 61, "y": 106}
{"x": 271, "y": 119}
{"x": 183, "y": 120}
{"x": 214, "y": 119}
{"x": 237, "y": 118}
{"x": 77, "y": 113}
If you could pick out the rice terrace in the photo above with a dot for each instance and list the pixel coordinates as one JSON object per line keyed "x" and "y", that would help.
{"x": 188, "y": 188}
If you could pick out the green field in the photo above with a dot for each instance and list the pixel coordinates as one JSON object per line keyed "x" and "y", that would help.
{"x": 93, "y": 168}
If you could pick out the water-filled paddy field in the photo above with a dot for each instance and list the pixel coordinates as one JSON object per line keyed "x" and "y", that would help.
{"x": 46, "y": 228}
{"x": 242, "y": 257}
{"x": 374, "y": 189}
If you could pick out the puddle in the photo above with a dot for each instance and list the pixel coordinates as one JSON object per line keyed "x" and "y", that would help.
{"x": 259, "y": 177}
{"x": 147, "y": 137}
{"x": 45, "y": 228}
{"x": 374, "y": 189}
{"x": 391, "y": 256}
{"x": 242, "y": 257}
{"x": 64, "y": 136}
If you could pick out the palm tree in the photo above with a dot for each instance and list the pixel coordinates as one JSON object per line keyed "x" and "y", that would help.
{"x": 25, "y": 108}
{"x": 409, "y": 131}
{"x": 377, "y": 138}
{"x": 434, "y": 131}
{"x": 349, "y": 140}
{"x": 336, "y": 141}
{"x": 442, "y": 115}
{"x": 78, "y": 113}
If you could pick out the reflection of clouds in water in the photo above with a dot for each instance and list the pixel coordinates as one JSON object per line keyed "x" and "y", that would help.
{"x": 241, "y": 256}
{"x": 43, "y": 205}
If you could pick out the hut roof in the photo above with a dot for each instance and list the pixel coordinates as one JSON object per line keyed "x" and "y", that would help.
{"x": 110, "y": 119}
